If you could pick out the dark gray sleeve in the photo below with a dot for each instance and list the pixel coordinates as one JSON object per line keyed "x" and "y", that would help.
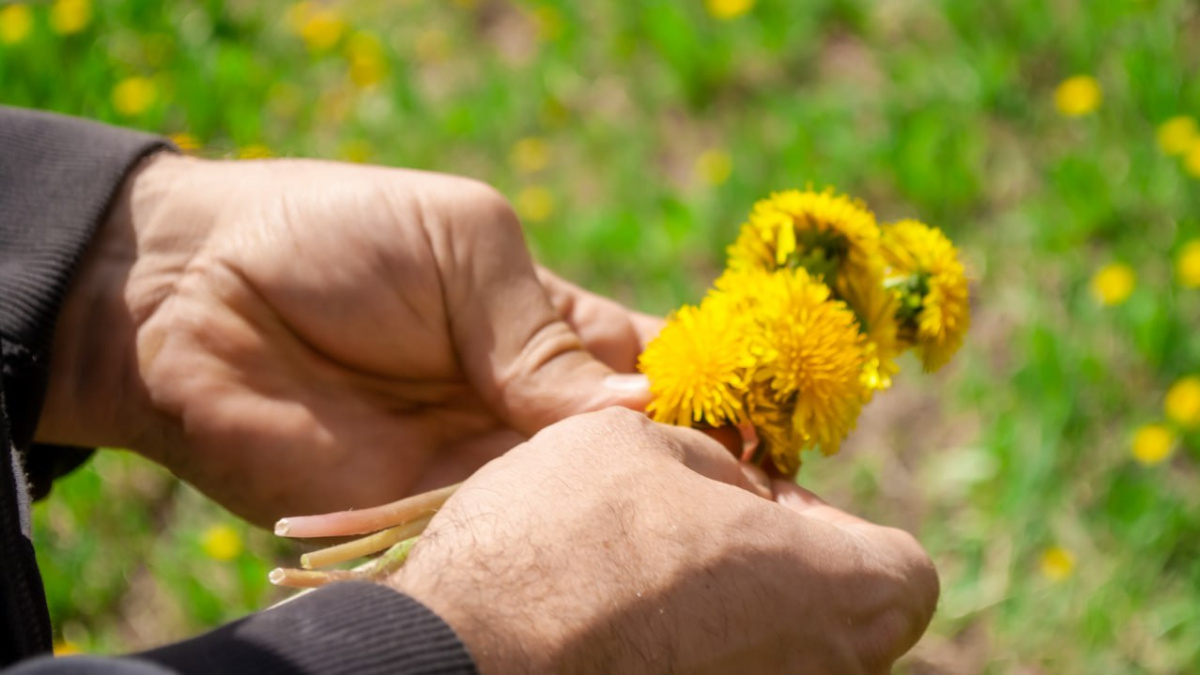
{"x": 342, "y": 628}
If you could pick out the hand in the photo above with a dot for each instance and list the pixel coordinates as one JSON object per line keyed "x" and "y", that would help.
{"x": 611, "y": 544}
{"x": 301, "y": 336}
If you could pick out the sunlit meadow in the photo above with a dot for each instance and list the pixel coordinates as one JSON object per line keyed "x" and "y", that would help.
{"x": 1051, "y": 468}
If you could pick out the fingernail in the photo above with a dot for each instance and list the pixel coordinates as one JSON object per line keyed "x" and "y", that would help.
{"x": 627, "y": 382}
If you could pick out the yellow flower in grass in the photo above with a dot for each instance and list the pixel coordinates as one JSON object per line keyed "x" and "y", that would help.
{"x": 714, "y": 166}
{"x": 1078, "y": 96}
{"x": 1057, "y": 563}
{"x": 16, "y": 22}
{"x": 368, "y": 65}
{"x": 68, "y": 17}
{"x": 529, "y": 155}
{"x": 221, "y": 542}
{"x": 1113, "y": 284}
{"x": 1191, "y": 161}
{"x": 535, "y": 203}
{"x": 1187, "y": 265}
{"x": 1182, "y": 403}
{"x": 254, "y": 151}
{"x": 930, "y": 286}
{"x": 1152, "y": 443}
{"x": 728, "y": 9}
{"x": 320, "y": 27}
{"x": 134, "y": 96}
{"x": 1178, "y": 135}
{"x": 699, "y": 365}
{"x": 185, "y": 141}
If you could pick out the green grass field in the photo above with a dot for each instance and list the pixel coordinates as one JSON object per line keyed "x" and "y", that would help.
{"x": 633, "y": 138}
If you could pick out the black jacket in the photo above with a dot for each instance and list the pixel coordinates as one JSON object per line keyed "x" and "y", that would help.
{"x": 57, "y": 178}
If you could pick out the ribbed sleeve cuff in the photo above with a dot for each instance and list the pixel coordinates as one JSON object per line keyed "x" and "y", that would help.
{"x": 58, "y": 176}
{"x": 352, "y": 627}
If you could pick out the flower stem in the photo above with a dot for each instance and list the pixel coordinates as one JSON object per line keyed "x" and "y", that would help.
{"x": 372, "y": 543}
{"x": 367, "y": 520}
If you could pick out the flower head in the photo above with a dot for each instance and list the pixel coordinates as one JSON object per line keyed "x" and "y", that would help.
{"x": 1178, "y": 135}
{"x": 1113, "y": 284}
{"x": 1152, "y": 443}
{"x": 930, "y": 286}
{"x": 699, "y": 365}
{"x": 1187, "y": 265}
{"x": 134, "y": 96}
{"x": 1078, "y": 96}
{"x": 221, "y": 542}
{"x": 728, "y": 9}
{"x": 1057, "y": 563}
{"x": 16, "y": 22}
{"x": 68, "y": 17}
{"x": 1182, "y": 403}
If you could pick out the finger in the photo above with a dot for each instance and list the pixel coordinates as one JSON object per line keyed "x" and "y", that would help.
{"x": 712, "y": 458}
{"x": 526, "y": 361}
{"x": 803, "y": 501}
{"x": 612, "y": 333}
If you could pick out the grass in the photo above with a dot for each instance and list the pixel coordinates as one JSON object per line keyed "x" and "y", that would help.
{"x": 655, "y": 127}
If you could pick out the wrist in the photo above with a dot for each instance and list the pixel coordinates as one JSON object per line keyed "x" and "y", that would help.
{"x": 95, "y": 396}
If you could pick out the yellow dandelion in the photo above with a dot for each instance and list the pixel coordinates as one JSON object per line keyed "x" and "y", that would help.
{"x": 357, "y": 151}
{"x": 714, "y": 166}
{"x": 1182, "y": 402}
{"x": 1113, "y": 284}
{"x": 66, "y": 648}
{"x": 365, "y": 54}
{"x": 254, "y": 151}
{"x": 728, "y": 9}
{"x": 876, "y": 308}
{"x": 812, "y": 360}
{"x": 930, "y": 286}
{"x": 321, "y": 28}
{"x": 825, "y": 233}
{"x": 535, "y": 203}
{"x": 699, "y": 366}
{"x": 1191, "y": 161}
{"x": 221, "y": 542}
{"x": 1178, "y": 135}
{"x": 185, "y": 141}
{"x": 1187, "y": 265}
{"x": 529, "y": 155}
{"x": 16, "y": 23}
{"x": 1057, "y": 563}
{"x": 68, "y": 17}
{"x": 1078, "y": 96}
{"x": 134, "y": 96}
{"x": 1152, "y": 443}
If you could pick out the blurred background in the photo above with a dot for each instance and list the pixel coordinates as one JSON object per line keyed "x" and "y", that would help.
{"x": 1051, "y": 470}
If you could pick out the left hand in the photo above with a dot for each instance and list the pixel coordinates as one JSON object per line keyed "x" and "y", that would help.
{"x": 300, "y": 336}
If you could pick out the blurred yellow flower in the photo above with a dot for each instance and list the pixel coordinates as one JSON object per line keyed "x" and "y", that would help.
{"x": 1178, "y": 135}
{"x": 134, "y": 95}
{"x": 535, "y": 203}
{"x": 1057, "y": 563}
{"x": 1113, "y": 284}
{"x": 365, "y": 54}
{"x": 358, "y": 152}
{"x": 714, "y": 166}
{"x": 320, "y": 27}
{"x": 1187, "y": 265}
{"x": 1182, "y": 403}
{"x": 931, "y": 289}
{"x": 66, "y": 648}
{"x": 1077, "y": 96}
{"x": 185, "y": 141}
{"x": 1152, "y": 443}
{"x": 16, "y": 22}
{"x": 699, "y": 366}
{"x": 728, "y": 9}
{"x": 1191, "y": 161}
{"x": 529, "y": 155}
{"x": 68, "y": 17}
{"x": 254, "y": 151}
{"x": 221, "y": 542}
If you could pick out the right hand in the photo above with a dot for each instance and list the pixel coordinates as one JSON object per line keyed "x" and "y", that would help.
{"x": 609, "y": 543}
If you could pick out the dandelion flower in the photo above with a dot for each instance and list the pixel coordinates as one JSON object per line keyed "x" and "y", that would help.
{"x": 221, "y": 542}
{"x": 255, "y": 151}
{"x": 1057, "y": 563}
{"x": 1152, "y": 443}
{"x": 364, "y": 52}
{"x": 534, "y": 204}
{"x": 1191, "y": 161}
{"x": 16, "y": 22}
{"x": 714, "y": 166}
{"x": 930, "y": 286}
{"x": 134, "y": 96}
{"x": 529, "y": 155}
{"x": 321, "y": 29}
{"x": 728, "y": 9}
{"x": 699, "y": 366}
{"x": 1178, "y": 135}
{"x": 68, "y": 17}
{"x": 185, "y": 141}
{"x": 1187, "y": 265}
{"x": 1182, "y": 403}
{"x": 815, "y": 360}
{"x": 1078, "y": 96}
{"x": 1113, "y": 284}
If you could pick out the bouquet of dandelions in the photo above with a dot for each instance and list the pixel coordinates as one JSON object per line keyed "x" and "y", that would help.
{"x": 816, "y": 303}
